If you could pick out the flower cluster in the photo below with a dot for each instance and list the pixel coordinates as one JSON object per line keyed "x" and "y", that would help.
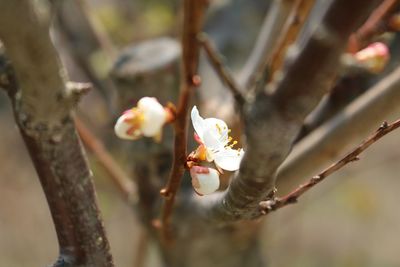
{"x": 212, "y": 135}
{"x": 215, "y": 145}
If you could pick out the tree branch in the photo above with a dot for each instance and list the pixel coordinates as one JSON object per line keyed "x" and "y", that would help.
{"x": 291, "y": 198}
{"x": 42, "y": 114}
{"x": 270, "y": 30}
{"x": 275, "y": 116}
{"x": 329, "y": 140}
{"x": 193, "y": 14}
{"x": 291, "y": 29}
{"x": 118, "y": 176}
{"x": 224, "y": 74}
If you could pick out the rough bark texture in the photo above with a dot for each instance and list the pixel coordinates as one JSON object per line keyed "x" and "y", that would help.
{"x": 41, "y": 106}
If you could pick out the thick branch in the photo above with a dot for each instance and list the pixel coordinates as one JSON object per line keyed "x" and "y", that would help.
{"x": 328, "y": 141}
{"x": 274, "y": 118}
{"x": 292, "y": 197}
{"x": 193, "y": 13}
{"x": 42, "y": 114}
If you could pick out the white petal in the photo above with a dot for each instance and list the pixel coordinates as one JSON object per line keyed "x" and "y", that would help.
{"x": 121, "y": 128}
{"x": 211, "y": 141}
{"x": 204, "y": 183}
{"x": 218, "y": 128}
{"x": 198, "y": 122}
{"x": 229, "y": 159}
{"x": 154, "y": 116}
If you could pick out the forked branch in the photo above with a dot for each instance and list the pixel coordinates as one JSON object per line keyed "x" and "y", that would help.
{"x": 274, "y": 117}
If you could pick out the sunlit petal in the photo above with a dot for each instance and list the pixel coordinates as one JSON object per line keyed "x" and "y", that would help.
{"x": 123, "y": 129}
{"x": 154, "y": 116}
{"x": 229, "y": 159}
{"x": 218, "y": 128}
{"x": 198, "y": 122}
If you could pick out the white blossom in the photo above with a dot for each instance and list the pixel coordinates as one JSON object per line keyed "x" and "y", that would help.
{"x": 147, "y": 119}
{"x": 215, "y": 143}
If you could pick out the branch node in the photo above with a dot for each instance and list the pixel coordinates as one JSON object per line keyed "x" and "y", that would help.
{"x": 316, "y": 177}
{"x": 165, "y": 193}
{"x": 75, "y": 91}
{"x": 267, "y": 205}
{"x": 383, "y": 126}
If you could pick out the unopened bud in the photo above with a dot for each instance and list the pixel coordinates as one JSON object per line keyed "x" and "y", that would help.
{"x": 374, "y": 57}
{"x": 204, "y": 180}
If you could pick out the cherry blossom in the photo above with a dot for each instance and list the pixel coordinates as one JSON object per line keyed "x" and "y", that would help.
{"x": 147, "y": 119}
{"x": 215, "y": 144}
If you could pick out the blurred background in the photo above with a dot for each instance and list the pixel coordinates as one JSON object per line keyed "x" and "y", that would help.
{"x": 352, "y": 219}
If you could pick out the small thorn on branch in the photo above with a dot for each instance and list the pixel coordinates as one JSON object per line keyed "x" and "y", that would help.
{"x": 383, "y": 126}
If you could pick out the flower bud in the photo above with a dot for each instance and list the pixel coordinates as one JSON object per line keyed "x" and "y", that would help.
{"x": 204, "y": 180}
{"x": 147, "y": 119}
{"x": 374, "y": 57}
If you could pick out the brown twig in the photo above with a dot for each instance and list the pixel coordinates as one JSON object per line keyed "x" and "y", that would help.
{"x": 291, "y": 198}
{"x": 222, "y": 71}
{"x": 335, "y": 137}
{"x": 115, "y": 172}
{"x": 372, "y": 27}
{"x": 102, "y": 37}
{"x": 141, "y": 249}
{"x": 193, "y": 13}
{"x": 271, "y": 28}
{"x": 292, "y": 27}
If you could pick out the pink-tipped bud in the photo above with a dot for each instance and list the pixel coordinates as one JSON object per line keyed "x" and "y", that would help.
{"x": 204, "y": 180}
{"x": 374, "y": 57}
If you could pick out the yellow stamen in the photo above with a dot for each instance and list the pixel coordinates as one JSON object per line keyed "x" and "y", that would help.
{"x": 218, "y": 128}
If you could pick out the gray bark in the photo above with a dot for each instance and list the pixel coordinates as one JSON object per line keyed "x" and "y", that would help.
{"x": 42, "y": 106}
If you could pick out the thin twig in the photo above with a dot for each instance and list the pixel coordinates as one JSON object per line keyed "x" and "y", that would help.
{"x": 372, "y": 27}
{"x": 121, "y": 180}
{"x": 98, "y": 30}
{"x": 332, "y": 139}
{"x": 193, "y": 13}
{"x": 223, "y": 72}
{"x": 271, "y": 28}
{"x": 141, "y": 249}
{"x": 292, "y": 197}
{"x": 294, "y": 23}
